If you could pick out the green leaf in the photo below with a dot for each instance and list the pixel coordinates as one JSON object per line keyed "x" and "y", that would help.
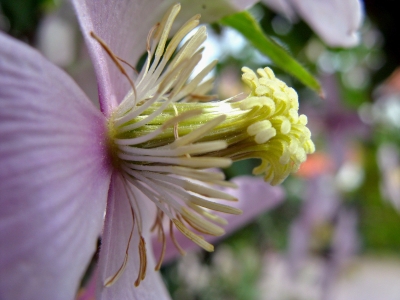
{"x": 245, "y": 24}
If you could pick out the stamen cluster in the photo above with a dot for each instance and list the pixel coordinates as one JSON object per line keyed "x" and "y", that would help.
{"x": 167, "y": 133}
{"x": 154, "y": 138}
{"x": 282, "y": 140}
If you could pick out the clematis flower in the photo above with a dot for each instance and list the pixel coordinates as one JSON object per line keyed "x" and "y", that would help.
{"x": 143, "y": 159}
{"x": 336, "y": 22}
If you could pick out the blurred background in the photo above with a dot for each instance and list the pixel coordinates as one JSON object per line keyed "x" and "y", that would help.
{"x": 337, "y": 234}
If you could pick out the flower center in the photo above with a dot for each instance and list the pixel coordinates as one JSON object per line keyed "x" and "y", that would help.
{"x": 167, "y": 133}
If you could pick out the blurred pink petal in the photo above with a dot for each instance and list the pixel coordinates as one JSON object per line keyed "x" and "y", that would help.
{"x": 255, "y": 197}
{"x": 322, "y": 202}
{"x": 283, "y": 7}
{"x": 210, "y": 10}
{"x": 337, "y": 22}
{"x": 53, "y": 177}
{"x": 299, "y": 238}
{"x": 345, "y": 241}
{"x": 340, "y": 124}
{"x": 345, "y": 244}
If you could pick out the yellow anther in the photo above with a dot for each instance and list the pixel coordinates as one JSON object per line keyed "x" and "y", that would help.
{"x": 277, "y": 126}
{"x": 255, "y": 128}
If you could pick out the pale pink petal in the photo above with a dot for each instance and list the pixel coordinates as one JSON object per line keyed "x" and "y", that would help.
{"x": 53, "y": 177}
{"x": 210, "y": 10}
{"x": 337, "y": 22}
{"x": 241, "y": 4}
{"x": 116, "y": 233}
{"x": 344, "y": 245}
{"x": 124, "y": 26}
{"x": 321, "y": 204}
{"x": 255, "y": 197}
{"x": 282, "y": 7}
{"x": 322, "y": 200}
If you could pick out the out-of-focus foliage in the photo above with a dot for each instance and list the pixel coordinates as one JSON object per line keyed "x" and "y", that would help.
{"x": 22, "y": 16}
{"x": 245, "y": 23}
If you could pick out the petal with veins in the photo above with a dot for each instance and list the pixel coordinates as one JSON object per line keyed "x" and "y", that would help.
{"x": 116, "y": 234}
{"x": 54, "y": 177}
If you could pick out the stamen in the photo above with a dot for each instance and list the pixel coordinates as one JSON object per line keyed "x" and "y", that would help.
{"x": 164, "y": 245}
{"x": 191, "y": 186}
{"x": 122, "y": 108}
{"x": 125, "y": 62}
{"x": 166, "y": 25}
{"x": 171, "y": 122}
{"x": 172, "y": 235}
{"x": 194, "y": 162}
{"x": 143, "y": 261}
{"x": 207, "y": 214}
{"x": 215, "y": 206}
{"x": 197, "y": 133}
{"x": 189, "y": 88}
{"x": 178, "y": 37}
{"x": 160, "y": 38}
{"x": 201, "y": 225}
{"x": 192, "y": 149}
{"x": 163, "y": 87}
{"x": 186, "y": 172}
{"x": 200, "y": 92}
{"x": 192, "y": 236}
{"x": 113, "y": 279}
{"x": 152, "y": 196}
{"x": 176, "y": 133}
{"x": 114, "y": 59}
{"x": 190, "y": 46}
{"x": 132, "y": 196}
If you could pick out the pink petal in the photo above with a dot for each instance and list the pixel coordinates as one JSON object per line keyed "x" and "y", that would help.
{"x": 255, "y": 197}
{"x": 282, "y": 7}
{"x": 337, "y": 22}
{"x": 124, "y": 26}
{"x": 116, "y": 233}
{"x": 53, "y": 177}
{"x": 210, "y": 10}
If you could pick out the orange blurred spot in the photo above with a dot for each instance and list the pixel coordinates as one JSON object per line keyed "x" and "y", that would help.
{"x": 315, "y": 165}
